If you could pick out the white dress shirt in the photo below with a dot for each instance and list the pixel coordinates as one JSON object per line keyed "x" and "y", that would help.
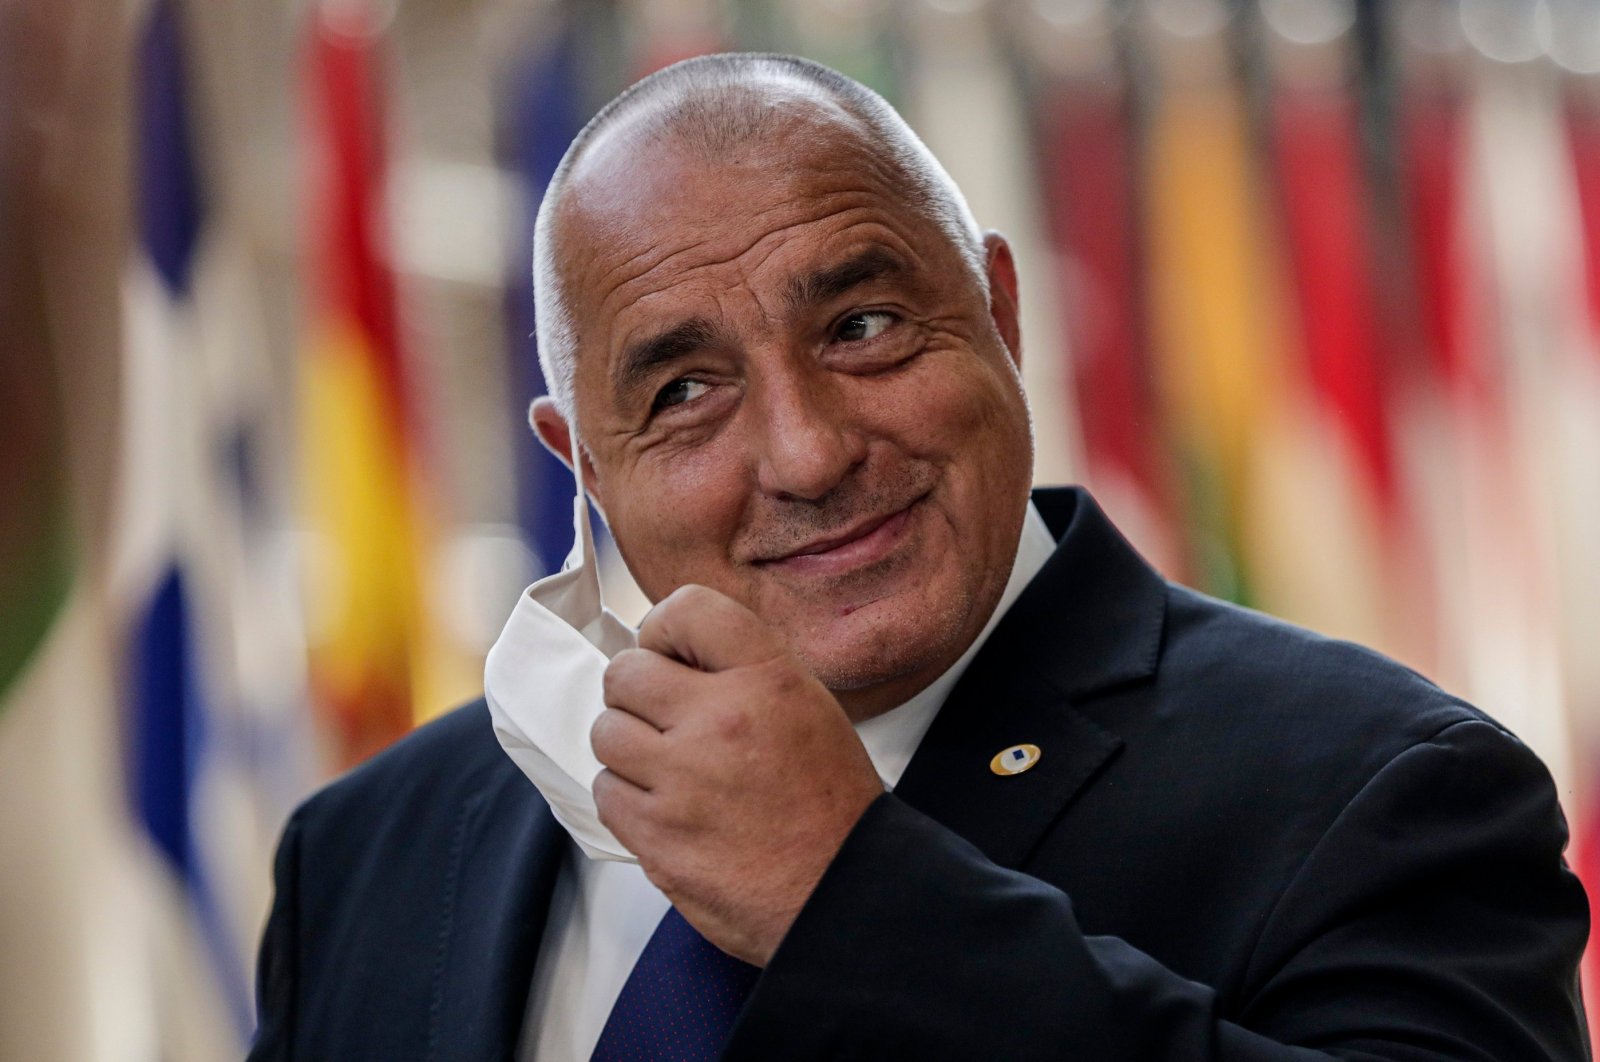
{"x": 603, "y": 913}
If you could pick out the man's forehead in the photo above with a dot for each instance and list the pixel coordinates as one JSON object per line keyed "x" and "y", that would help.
{"x": 757, "y": 131}
{"x": 725, "y": 119}
{"x": 665, "y": 203}
{"x": 697, "y": 233}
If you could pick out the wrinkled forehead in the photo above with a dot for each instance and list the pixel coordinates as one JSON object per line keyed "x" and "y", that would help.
{"x": 650, "y": 202}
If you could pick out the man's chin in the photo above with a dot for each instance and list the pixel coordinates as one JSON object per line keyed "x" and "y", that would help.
{"x": 867, "y": 651}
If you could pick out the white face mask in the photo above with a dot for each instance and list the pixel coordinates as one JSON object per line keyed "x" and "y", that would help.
{"x": 543, "y": 681}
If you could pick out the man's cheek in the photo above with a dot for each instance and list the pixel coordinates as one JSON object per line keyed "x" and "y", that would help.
{"x": 669, "y": 548}
{"x": 936, "y": 406}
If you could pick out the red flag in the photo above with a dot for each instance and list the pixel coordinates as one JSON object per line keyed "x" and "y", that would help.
{"x": 1343, "y": 381}
{"x": 1317, "y": 148}
{"x": 359, "y": 442}
{"x": 1583, "y": 128}
{"x": 1088, "y": 181}
{"x": 1582, "y": 577}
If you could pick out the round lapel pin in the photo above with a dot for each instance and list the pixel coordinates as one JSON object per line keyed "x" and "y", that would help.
{"x": 1015, "y": 760}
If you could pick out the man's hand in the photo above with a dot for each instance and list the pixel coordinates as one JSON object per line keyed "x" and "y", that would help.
{"x": 733, "y": 773}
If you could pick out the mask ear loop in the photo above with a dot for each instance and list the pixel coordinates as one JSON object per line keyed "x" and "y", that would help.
{"x": 605, "y": 631}
{"x": 583, "y": 541}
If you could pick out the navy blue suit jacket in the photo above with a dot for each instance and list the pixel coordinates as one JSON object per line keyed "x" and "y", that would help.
{"x": 1241, "y": 841}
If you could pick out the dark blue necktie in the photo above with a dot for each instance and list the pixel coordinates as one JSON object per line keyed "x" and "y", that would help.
{"x": 680, "y": 1001}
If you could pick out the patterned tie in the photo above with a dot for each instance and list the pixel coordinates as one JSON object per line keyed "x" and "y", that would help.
{"x": 680, "y": 1002}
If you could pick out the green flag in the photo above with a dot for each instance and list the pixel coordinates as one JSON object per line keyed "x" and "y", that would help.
{"x": 36, "y": 547}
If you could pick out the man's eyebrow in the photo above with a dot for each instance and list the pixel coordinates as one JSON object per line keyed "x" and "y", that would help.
{"x": 819, "y": 285}
{"x": 641, "y": 358}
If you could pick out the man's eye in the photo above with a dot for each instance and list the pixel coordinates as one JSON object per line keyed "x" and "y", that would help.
{"x": 678, "y": 392}
{"x": 866, "y": 325}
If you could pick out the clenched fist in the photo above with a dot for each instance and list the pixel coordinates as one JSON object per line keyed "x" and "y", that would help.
{"x": 732, "y": 773}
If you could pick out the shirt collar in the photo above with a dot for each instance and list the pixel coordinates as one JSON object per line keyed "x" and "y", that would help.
{"x": 892, "y": 738}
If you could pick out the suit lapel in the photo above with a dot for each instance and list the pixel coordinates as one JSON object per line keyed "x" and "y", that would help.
{"x": 1005, "y": 816}
{"x": 504, "y": 855}
{"x": 1090, "y": 621}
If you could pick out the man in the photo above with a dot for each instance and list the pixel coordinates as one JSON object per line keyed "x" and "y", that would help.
{"x": 1126, "y": 821}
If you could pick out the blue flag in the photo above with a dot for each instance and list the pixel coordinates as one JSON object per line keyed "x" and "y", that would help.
{"x": 545, "y": 109}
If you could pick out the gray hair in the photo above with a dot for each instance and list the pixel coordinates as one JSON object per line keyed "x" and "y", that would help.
{"x": 693, "y": 102}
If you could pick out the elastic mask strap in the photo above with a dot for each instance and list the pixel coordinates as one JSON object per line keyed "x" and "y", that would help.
{"x": 585, "y": 534}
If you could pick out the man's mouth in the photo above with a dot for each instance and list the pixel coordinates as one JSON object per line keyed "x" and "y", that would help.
{"x": 862, "y": 543}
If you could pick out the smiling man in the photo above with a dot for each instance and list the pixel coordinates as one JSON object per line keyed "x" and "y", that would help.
{"x": 912, "y": 766}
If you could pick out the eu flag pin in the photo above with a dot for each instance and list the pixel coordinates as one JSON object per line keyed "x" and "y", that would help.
{"x": 1015, "y": 760}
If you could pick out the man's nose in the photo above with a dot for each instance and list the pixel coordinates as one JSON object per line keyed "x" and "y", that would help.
{"x": 809, "y": 441}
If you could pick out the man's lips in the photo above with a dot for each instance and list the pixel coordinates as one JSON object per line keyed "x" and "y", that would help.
{"x": 863, "y": 543}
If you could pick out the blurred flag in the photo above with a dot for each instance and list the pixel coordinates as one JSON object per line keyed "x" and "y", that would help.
{"x": 963, "y": 98}
{"x": 38, "y": 556}
{"x": 1430, "y": 127}
{"x": 218, "y": 749}
{"x": 68, "y": 903}
{"x": 663, "y": 32}
{"x": 1520, "y": 209}
{"x": 1582, "y": 115}
{"x": 1088, "y": 154}
{"x": 78, "y": 983}
{"x": 368, "y": 624}
{"x": 545, "y": 107}
{"x": 36, "y": 541}
{"x": 1579, "y": 412}
{"x": 1578, "y": 416}
{"x": 1342, "y": 547}
{"x": 854, "y": 39}
{"x": 169, "y": 724}
{"x": 1219, "y": 323}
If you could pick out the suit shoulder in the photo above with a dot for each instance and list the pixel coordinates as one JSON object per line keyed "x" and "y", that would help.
{"x": 455, "y": 754}
{"x": 1270, "y": 671}
{"x": 1248, "y": 749}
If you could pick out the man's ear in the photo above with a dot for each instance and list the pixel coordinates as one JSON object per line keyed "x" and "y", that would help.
{"x": 1001, "y": 268}
{"x": 553, "y": 430}
{"x": 544, "y": 416}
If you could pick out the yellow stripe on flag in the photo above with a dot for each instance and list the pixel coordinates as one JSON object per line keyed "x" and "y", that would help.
{"x": 364, "y": 593}
{"x": 1217, "y": 311}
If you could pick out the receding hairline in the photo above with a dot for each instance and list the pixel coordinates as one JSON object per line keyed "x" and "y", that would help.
{"x": 679, "y": 121}
{"x": 655, "y": 104}
{"x": 708, "y": 103}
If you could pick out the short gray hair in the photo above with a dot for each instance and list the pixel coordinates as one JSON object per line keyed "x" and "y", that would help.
{"x": 693, "y": 98}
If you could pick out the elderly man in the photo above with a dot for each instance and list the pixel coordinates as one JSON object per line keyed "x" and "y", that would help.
{"x": 913, "y": 767}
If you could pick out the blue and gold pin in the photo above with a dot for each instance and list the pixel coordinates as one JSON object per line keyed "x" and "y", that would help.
{"x": 1015, "y": 760}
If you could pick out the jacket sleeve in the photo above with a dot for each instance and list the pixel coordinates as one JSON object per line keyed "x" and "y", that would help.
{"x": 1433, "y": 919}
{"x": 276, "y": 967}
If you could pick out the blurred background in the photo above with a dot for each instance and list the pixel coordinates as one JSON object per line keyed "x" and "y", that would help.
{"x": 1312, "y": 302}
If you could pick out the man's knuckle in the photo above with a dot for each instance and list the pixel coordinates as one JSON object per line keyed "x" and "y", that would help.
{"x": 602, "y": 733}
{"x": 611, "y": 683}
{"x": 619, "y": 674}
{"x": 677, "y": 811}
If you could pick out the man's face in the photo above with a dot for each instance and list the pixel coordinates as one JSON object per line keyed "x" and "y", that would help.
{"x": 794, "y": 392}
